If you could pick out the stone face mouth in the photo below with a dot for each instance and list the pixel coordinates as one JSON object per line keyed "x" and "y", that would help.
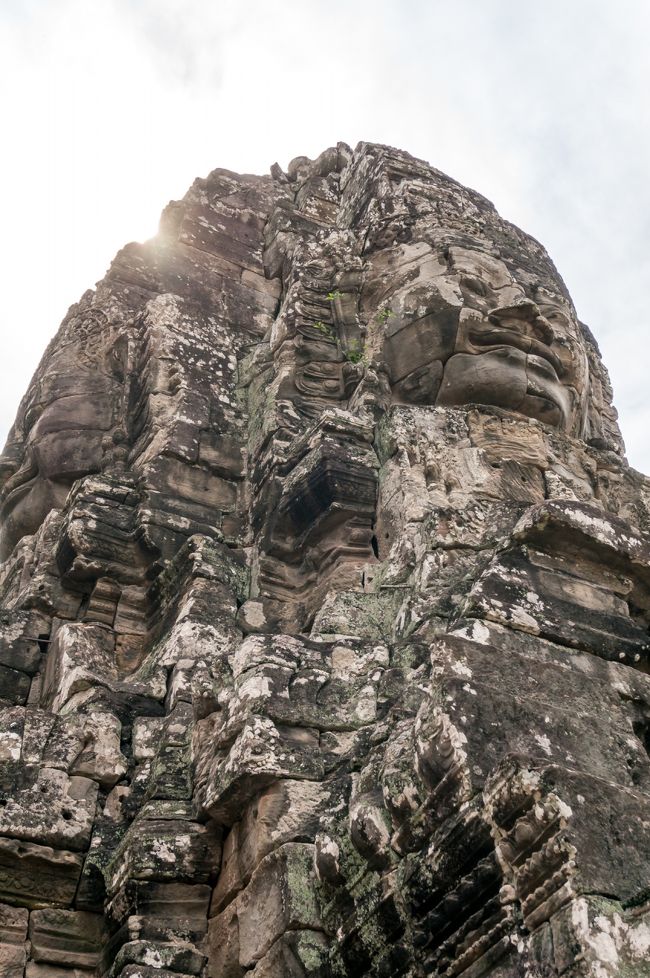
{"x": 543, "y": 383}
{"x": 543, "y": 366}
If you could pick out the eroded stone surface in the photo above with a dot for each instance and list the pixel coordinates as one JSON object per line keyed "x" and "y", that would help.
{"x": 324, "y": 638}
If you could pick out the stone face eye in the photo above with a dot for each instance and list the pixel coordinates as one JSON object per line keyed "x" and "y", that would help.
{"x": 473, "y": 284}
{"x": 32, "y": 416}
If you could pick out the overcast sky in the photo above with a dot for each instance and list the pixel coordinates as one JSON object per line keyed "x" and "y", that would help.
{"x": 111, "y": 108}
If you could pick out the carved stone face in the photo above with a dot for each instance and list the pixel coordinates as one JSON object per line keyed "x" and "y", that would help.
{"x": 58, "y": 436}
{"x": 459, "y": 327}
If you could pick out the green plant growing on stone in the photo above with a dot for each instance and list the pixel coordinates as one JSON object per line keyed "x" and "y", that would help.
{"x": 325, "y": 329}
{"x": 385, "y": 315}
{"x": 331, "y": 296}
{"x": 354, "y": 352}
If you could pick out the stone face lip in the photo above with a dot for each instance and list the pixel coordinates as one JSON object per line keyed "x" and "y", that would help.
{"x": 324, "y": 603}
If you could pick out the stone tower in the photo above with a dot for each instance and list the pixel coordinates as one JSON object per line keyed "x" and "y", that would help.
{"x": 325, "y": 604}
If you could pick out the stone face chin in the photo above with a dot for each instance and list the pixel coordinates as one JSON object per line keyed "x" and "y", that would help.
{"x": 325, "y": 603}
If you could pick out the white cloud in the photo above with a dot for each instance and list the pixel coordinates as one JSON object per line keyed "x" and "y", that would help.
{"x": 118, "y": 104}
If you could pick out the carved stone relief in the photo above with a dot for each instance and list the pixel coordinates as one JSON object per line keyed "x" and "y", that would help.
{"x": 324, "y": 635}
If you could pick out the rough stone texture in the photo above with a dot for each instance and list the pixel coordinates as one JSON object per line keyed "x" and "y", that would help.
{"x": 325, "y": 603}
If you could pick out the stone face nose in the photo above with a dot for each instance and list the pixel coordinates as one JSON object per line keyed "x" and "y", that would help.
{"x": 528, "y": 315}
{"x": 333, "y": 659}
{"x": 530, "y": 330}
